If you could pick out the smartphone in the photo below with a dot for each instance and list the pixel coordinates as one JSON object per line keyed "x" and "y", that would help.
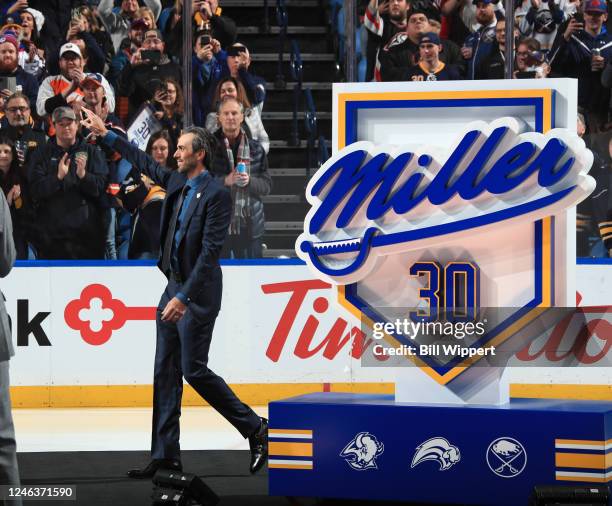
{"x": 8, "y": 83}
{"x": 205, "y": 40}
{"x": 235, "y": 50}
{"x": 152, "y": 55}
{"x": 579, "y": 16}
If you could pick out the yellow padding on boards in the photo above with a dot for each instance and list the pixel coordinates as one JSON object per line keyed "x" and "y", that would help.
{"x": 141, "y": 396}
{"x": 548, "y": 391}
{"x": 257, "y": 394}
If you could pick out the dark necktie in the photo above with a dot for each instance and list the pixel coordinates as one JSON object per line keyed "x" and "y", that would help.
{"x": 167, "y": 253}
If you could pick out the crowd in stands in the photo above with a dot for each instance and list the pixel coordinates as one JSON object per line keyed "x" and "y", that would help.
{"x": 62, "y": 62}
{"x": 441, "y": 40}
{"x": 72, "y": 196}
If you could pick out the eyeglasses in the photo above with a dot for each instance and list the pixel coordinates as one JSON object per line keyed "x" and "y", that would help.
{"x": 17, "y": 109}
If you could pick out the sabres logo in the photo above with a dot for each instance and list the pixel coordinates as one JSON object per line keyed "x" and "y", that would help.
{"x": 361, "y": 453}
{"x": 439, "y": 450}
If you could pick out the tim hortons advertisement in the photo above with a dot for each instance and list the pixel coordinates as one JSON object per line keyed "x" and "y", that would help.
{"x": 278, "y": 324}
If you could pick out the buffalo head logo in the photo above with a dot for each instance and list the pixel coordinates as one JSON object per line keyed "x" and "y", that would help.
{"x": 362, "y": 451}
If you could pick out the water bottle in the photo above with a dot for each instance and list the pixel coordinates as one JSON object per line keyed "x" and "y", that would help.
{"x": 241, "y": 168}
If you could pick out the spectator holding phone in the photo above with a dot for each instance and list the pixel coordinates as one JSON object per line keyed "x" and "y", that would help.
{"x": 207, "y": 18}
{"x": 530, "y": 61}
{"x": 253, "y": 126}
{"x": 89, "y": 22}
{"x": 118, "y": 24}
{"x": 31, "y": 49}
{"x": 582, "y": 52}
{"x": 148, "y": 67}
{"x": 11, "y": 72}
{"x": 67, "y": 180}
{"x": 169, "y": 107}
{"x": 128, "y": 47}
{"x": 382, "y": 21}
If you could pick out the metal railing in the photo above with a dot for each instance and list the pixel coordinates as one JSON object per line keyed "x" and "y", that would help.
{"x": 310, "y": 125}
{"x": 282, "y": 19}
{"x": 296, "y": 70}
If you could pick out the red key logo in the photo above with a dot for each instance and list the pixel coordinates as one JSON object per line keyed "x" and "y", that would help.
{"x": 96, "y": 314}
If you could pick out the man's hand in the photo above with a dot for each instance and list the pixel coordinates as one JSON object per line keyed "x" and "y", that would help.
{"x": 81, "y": 164}
{"x": 232, "y": 178}
{"x": 383, "y": 7}
{"x": 535, "y": 4}
{"x": 597, "y": 63}
{"x": 205, "y": 53}
{"x": 6, "y": 93}
{"x": 572, "y": 27}
{"x": 93, "y": 123}
{"x": 216, "y": 46}
{"x": 206, "y": 10}
{"x": 173, "y": 311}
{"x": 466, "y": 52}
{"x": 243, "y": 60}
{"x": 136, "y": 58}
{"x": 13, "y": 194}
{"x": 242, "y": 180}
{"x": 63, "y": 166}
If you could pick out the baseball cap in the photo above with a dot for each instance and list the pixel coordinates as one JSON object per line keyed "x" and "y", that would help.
{"x": 69, "y": 47}
{"x": 430, "y": 38}
{"x": 595, "y": 6}
{"x": 158, "y": 34}
{"x": 476, "y": 2}
{"x": 92, "y": 78}
{"x": 7, "y": 37}
{"x": 63, "y": 112}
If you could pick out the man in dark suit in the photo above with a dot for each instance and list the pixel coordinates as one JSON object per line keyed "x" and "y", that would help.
{"x": 9, "y": 473}
{"x": 194, "y": 224}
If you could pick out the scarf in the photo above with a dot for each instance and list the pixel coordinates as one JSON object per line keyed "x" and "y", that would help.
{"x": 240, "y": 196}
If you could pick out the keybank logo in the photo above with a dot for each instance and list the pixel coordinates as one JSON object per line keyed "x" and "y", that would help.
{"x": 372, "y": 200}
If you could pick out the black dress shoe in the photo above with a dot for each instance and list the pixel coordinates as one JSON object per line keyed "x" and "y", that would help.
{"x": 153, "y": 466}
{"x": 259, "y": 447}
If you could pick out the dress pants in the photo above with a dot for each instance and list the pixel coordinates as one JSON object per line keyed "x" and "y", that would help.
{"x": 182, "y": 350}
{"x": 9, "y": 472}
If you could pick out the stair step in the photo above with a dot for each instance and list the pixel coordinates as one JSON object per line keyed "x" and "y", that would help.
{"x": 306, "y": 57}
{"x": 271, "y": 3}
{"x": 289, "y": 115}
{"x": 312, "y": 85}
{"x": 275, "y": 30}
{"x": 282, "y": 199}
{"x": 302, "y": 13}
{"x": 278, "y": 144}
{"x": 319, "y": 70}
{"x": 290, "y": 172}
{"x": 277, "y": 252}
{"x": 285, "y": 225}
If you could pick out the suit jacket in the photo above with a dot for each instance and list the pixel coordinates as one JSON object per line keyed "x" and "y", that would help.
{"x": 7, "y": 259}
{"x": 204, "y": 228}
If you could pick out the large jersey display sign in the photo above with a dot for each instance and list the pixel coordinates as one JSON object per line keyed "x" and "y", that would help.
{"x": 445, "y": 218}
